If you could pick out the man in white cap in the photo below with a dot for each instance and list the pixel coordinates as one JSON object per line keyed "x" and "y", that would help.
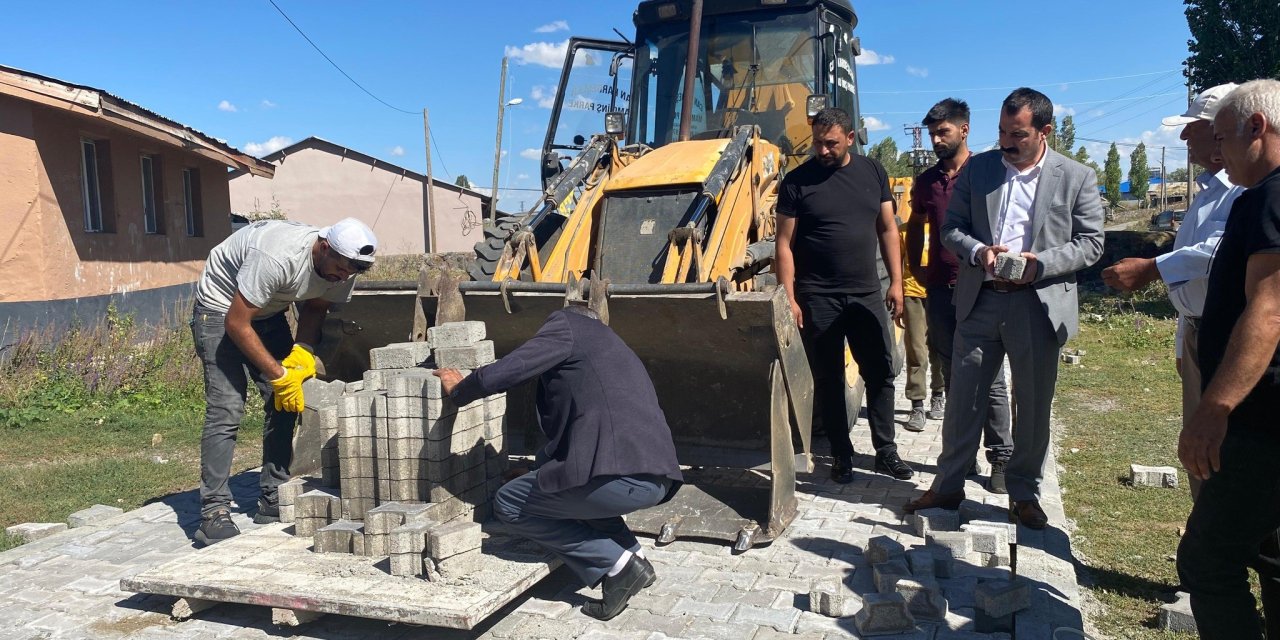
{"x": 241, "y": 332}
{"x": 1186, "y": 267}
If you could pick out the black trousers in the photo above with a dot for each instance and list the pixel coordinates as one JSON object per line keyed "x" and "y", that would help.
{"x": 1232, "y": 527}
{"x": 830, "y": 319}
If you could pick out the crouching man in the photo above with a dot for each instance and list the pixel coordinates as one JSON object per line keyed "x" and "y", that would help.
{"x": 609, "y": 451}
{"x": 241, "y": 333}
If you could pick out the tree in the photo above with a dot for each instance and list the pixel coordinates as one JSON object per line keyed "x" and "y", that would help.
{"x": 464, "y": 182}
{"x": 1111, "y": 176}
{"x": 1082, "y": 156}
{"x": 1054, "y": 142}
{"x": 1178, "y": 175}
{"x": 1139, "y": 172}
{"x": 1067, "y": 134}
{"x": 886, "y": 151}
{"x": 1232, "y": 41}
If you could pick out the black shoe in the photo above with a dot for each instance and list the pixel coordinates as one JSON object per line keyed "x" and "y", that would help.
{"x": 268, "y": 512}
{"x": 653, "y": 575}
{"x": 618, "y": 589}
{"x": 217, "y": 526}
{"x": 973, "y": 469}
{"x": 842, "y": 470}
{"x": 891, "y": 465}
{"x": 996, "y": 483}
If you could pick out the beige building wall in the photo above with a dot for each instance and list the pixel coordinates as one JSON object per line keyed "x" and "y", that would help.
{"x": 319, "y": 183}
{"x": 45, "y": 251}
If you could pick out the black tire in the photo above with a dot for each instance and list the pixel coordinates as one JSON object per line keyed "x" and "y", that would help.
{"x": 489, "y": 250}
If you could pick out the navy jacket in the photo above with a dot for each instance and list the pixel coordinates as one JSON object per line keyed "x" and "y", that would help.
{"x": 596, "y": 403}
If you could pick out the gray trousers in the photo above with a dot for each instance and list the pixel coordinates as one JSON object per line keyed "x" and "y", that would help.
{"x": 582, "y": 525}
{"x": 226, "y": 381}
{"x": 1001, "y": 323}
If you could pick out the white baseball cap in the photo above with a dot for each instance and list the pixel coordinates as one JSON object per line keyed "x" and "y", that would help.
{"x": 1204, "y": 107}
{"x": 352, "y": 239}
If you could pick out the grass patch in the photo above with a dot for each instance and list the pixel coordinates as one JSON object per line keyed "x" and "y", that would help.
{"x": 1122, "y": 405}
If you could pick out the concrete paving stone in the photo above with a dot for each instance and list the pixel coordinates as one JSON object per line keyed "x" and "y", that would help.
{"x": 783, "y": 583}
{"x": 468, "y": 357}
{"x": 33, "y": 531}
{"x": 540, "y": 628}
{"x": 640, "y": 621}
{"x": 613, "y": 634}
{"x": 718, "y": 611}
{"x": 456, "y": 334}
{"x": 783, "y": 620}
{"x": 813, "y": 623}
{"x": 738, "y": 579}
{"x": 700, "y": 628}
{"x": 94, "y": 586}
{"x": 959, "y": 619}
{"x": 1147, "y": 476}
{"x": 752, "y": 597}
{"x": 657, "y": 604}
{"x": 545, "y": 608}
{"x": 887, "y": 574}
{"x": 927, "y": 521}
{"x": 92, "y": 516}
{"x": 763, "y": 567}
{"x": 924, "y": 598}
{"x": 883, "y": 613}
{"x": 882, "y": 548}
{"x": 1176, "y": 616}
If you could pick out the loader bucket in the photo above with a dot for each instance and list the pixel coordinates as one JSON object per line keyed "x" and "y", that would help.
{"x": 731, "y": 376}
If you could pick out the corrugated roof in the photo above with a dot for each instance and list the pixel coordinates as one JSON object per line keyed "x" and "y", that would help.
{"x": 94, "y": 102}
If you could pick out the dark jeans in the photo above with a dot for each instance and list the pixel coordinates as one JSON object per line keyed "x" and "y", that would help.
{"x": 997, "y": 432}
{"x": 582, "y": 525}
{"x": 1233, "y": 527}
{"x": 226, "y": 381}
{"x": 863, "y": 321}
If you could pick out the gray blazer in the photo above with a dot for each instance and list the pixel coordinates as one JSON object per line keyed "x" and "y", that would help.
{"x": 1066, "y": 231}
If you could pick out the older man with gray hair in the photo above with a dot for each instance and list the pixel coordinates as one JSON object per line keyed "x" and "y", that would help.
{"x": 1232, "y": 442}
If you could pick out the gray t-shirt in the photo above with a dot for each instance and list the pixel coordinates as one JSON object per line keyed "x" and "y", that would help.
{"x": 269, "y": 263}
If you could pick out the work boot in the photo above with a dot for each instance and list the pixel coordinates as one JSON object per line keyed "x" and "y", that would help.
{"x": 996, "y": 483}
{"x": 892, "y": 465}
{"x": 618, "y": 589}
{"x": 842, "y": 470}
{"x": 1029, "y": 513}
{"x": 916, "y": 421}
{"x": 937, "y": 407}
{"x": 268, "y": 512}
{"x": 216, "y": 527}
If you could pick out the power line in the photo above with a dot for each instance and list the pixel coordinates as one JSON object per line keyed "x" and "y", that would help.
{"x": 1136, "y": 75}
{"x": 1065, "y": 104}
{"x": 1131, "y": 144}
{"x": 335, "y": 65}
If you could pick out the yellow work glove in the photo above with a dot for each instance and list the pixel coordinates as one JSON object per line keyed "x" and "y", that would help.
{"x": 300, "y": 358}
{"x": 288, "y": 390}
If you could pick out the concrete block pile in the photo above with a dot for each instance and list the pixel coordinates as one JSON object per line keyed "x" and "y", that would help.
{"x": 405, "y": 473}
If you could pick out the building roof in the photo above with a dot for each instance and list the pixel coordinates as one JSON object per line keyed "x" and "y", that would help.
{"x": 116, "y": 111}
{"x": 314, "y": 142}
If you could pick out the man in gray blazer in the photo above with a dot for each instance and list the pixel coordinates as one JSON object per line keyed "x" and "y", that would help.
{"x": 1026, "y": 202}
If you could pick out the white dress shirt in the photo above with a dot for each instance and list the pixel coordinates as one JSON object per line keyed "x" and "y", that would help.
{"x": 1186, "y": 268}
{"x": 1017, "y": 197}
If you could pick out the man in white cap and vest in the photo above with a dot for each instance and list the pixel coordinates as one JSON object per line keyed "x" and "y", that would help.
{"x": 241, "y": 333}
{"x": 1186, "y": 267}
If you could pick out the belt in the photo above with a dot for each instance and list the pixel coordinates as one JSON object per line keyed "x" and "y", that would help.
{"x": 1000, "y": 286}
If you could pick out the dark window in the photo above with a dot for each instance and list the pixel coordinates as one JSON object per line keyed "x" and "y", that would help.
{"x": 152, "y": 195}
{"x": 191, "y": 201}
{"x": 89, "y": 185}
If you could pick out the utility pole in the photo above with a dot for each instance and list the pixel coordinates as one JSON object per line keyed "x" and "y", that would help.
{"x": 919, "y": 156}
{"x": 1186, "y": 201}
{"x": 1163, "y": 181}
{"x": 429, "y": 189}
{"x": 497, "y": 145}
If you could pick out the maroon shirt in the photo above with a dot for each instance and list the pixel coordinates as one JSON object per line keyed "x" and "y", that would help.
{"x": 929, "y": 197}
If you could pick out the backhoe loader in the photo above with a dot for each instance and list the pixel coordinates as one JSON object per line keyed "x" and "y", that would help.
{"x": 661, "y": 166}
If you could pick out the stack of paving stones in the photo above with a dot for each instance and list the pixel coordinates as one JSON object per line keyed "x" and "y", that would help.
{"x": 959, "y": 577}
{"x": 405, "y": 472}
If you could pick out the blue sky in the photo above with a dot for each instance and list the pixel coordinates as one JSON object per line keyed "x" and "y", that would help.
{"x": 238, "y": 71}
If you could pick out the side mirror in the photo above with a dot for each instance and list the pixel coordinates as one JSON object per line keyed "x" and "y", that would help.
{"x": 614, "y": 123}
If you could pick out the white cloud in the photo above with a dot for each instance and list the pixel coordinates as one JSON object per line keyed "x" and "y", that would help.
{"x": 543, "y": 96}
{"x": 531, "y": 154}
{"x": 873, "y": 123}
{"x": 1175, "y": 156}
{"x": 552, "y": 27}
{"x": 397, "y": 151}
{"x": 1063, "y": 87}
{"x": 546, "y": 54}
{"x": 919, "y": 72}
{"x": 522, "y": 176}
{"x": 1060, "y": 110}
{"x": 227, "y": 106}
{"x": 869, "y": 57}
{"x": 272, "y": 145}
{"x": 267, "y": 104}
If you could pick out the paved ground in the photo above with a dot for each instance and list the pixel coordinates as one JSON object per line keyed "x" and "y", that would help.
{"x": 67, "y": 585}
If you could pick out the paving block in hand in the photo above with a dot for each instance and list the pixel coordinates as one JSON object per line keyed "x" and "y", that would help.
{"x": 1000, "y": 598}
{"x": 456, "y": 334}
{"x": 470, "y": 357}
{"x": 927, "y": 521}
{"x": 884, "y": 613}
{"x": 1010, "y": 266}
{"x": 831, "y": 598}
{"x": 881, "y": 549}
{"x": 1143, "y": 476}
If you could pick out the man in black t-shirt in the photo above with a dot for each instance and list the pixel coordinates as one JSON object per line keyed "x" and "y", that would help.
{"x": 1232, "y": 441}
{"x": 832, "y": 211}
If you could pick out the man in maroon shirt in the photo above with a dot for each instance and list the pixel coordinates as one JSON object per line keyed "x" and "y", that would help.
{"x": 948, "y": 123}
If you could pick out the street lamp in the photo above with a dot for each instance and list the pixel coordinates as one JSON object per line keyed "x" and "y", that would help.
{"x": 497, "y": 158}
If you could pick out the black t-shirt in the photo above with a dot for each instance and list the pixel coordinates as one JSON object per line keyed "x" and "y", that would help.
{"x": 1253, "y": 227}
{"x": 835, "y": 212}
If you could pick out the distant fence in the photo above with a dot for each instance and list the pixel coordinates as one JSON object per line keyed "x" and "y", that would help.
{"x": 166, "y": 305}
